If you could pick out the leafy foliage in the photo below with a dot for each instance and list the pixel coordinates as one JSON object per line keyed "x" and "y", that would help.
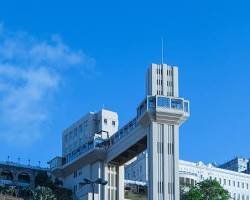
{"x": 207, "y": 190}
{"x": 42, "y": 179}
{"x": 61, "y": 193}
{"x": 43, "y": 193}
{"x": 45, "y": 189}
{"x": 8, "y": 190}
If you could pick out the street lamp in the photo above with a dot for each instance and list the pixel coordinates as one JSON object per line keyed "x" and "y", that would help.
{"x": 99, "y": 181}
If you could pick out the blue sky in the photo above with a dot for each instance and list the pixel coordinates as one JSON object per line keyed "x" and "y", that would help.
{"x": 61, "y": 59}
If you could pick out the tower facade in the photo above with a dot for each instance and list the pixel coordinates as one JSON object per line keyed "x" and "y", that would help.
{"x": 163, "y": 131}
{"x": 162, "y": 79}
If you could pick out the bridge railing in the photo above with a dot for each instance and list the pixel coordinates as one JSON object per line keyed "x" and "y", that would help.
{"x": 82, "y": 150}
{"x": 125, "y": 130}
{"x": 21, "y": 165}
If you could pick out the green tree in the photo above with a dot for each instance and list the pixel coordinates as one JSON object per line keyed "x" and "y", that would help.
{"x": 62, "y": 193}
{"x": 43, "y": 193}
{"x": 26, "y": 193}
{"x": 42, "y": 179}
{"x": 8, "y": 190}
{"x": 207, "y": 190}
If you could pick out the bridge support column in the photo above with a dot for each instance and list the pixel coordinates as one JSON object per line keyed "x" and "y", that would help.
{"x": 163, "y": 158}
{"x": 120, "y": 182}
{"x": 115, "y": 176}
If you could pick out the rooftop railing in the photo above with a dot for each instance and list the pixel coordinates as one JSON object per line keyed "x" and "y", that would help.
{"x": 15, "y": 164}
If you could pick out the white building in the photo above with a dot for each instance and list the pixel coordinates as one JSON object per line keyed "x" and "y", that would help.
{"x": 238, "y": 184}
{"x": 102, "y": 124}
{"x": 237, "y": 164}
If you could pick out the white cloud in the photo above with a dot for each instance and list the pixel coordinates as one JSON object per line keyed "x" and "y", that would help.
{"x": 30, "y": 74}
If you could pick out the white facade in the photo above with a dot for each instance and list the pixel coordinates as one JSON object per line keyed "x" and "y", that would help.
{"x": 238, "y": 184}
{"x": 101, "y": 124}
{"x": 162, "y": 79}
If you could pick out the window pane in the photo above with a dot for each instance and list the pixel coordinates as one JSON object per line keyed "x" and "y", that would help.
{"x": 186, "y": 107}
{"x": 163, "y": 102}
{"x": 177, "y": 104}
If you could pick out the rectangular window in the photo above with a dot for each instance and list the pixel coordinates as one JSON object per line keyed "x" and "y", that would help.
{"x": 80, "y": 129}
{"x": 151, "y": 102}
{"x": 186, "y": 107}
{"x": 113, "y": 123}
{"x": 163, "y": 102}
{"x": 177, "y": 104}
{"x": 75, "y": 188}
{"x": 75, "y": 174}
{"x": 105, "y": 121}
{"x": 75, "y": 132}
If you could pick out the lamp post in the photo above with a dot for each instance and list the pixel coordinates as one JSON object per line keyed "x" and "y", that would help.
{"x": 99, "y": 181}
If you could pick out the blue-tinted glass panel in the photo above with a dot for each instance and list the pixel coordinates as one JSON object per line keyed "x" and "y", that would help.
{"x": 151, "y": 102}
{"x": 142, "y": 109}
{"x": 177, "y": 104}
{"x": 163, "y": 102}
{"x": 186, "y": 107}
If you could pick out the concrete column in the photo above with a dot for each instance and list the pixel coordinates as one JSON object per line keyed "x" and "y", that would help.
{"x": 152, "y": 162}
{"x": 106, "y": 177}
{"x": 120, "y": 182}
{"x": 175, "y": 82}
{"x": 176, "y": 162}
{"x": 163, "y": 156}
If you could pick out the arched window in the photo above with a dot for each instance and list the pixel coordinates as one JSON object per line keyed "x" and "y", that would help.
{"x": 6, "y": 175}
{"x": 24, "y": 178}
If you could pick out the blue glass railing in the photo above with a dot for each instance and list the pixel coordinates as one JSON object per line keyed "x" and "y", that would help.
{"x": 83, "y": 149}
{"x": 153, "y": 102}
{"x": 163, "y": 102}
{"x": 125, "y": 130}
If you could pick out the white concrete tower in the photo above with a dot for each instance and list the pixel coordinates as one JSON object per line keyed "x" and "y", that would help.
{"x": 162, "y": 79}
{"x": 163, "y": 132}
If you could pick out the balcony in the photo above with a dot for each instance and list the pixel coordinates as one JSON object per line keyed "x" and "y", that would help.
{"x": 175, "y": 110}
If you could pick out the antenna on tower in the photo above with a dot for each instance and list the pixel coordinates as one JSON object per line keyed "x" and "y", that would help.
{"x": 162, "y": 50}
